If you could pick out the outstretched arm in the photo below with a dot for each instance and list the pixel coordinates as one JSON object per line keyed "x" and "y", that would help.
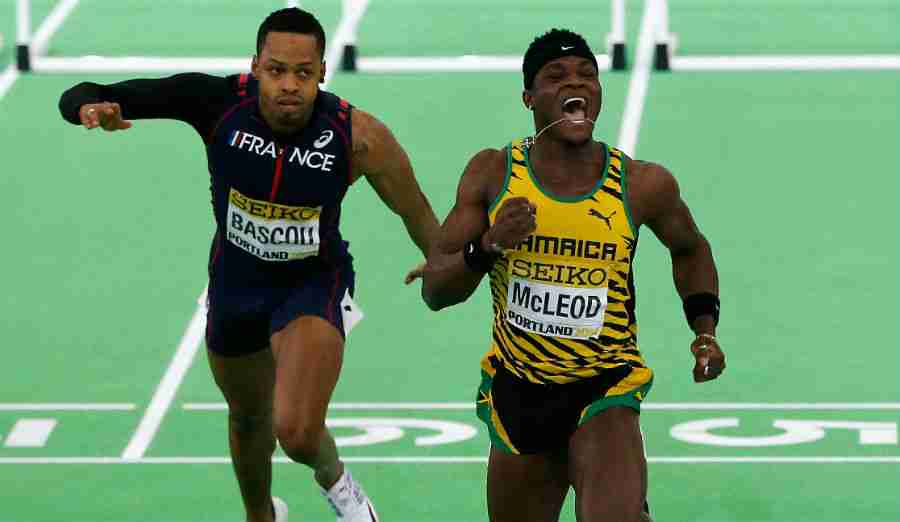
{"x": 452, "y": 274}
{"x": 381, "y": 159}
{"x": 194, "y": 98}
{"x": 693, "y": 267}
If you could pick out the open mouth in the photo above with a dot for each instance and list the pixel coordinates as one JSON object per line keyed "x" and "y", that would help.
{"x": 574, "y": 109}
{"x": 289, "y": 102}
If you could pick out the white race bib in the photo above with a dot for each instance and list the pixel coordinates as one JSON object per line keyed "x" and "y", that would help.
{"x": 555, "y": 310}
{"x": 270, "y": 231}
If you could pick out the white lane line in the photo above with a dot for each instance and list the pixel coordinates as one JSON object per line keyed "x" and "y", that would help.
{"x": 673, "y": 406}
{"x": 640, "y": 77}
{"x": 30, "y": 433}
{"x": 874, "y": 62}
{"x": 774, "y": 460}
{"x": 772, "y": 406}
{"x": 168, "y": 386}
{"x": 7, "y": 78}
{"x": 357, "y": 406}
{"x": 467, "y": 63}
{"x": 399, "y": 64}
{"x": 51, "y": 24}
{"x": 65, "y": 406}
{"x": 449, "y": 460}
{"x": 193, "y": 335}
{"x": 140, "y": 64}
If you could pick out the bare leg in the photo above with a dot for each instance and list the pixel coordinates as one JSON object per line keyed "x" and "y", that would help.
{"x": 308, "y": 356}
{"x": 526, "y": 487}
{"x": 247, "y": 384}
{"x": 608, "y": 469}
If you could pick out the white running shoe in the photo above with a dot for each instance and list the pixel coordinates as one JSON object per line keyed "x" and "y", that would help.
{"x": 349, "y": 501}
{"x": 281, "y": 510}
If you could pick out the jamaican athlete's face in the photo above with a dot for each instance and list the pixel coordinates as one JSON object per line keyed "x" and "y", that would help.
{"x": 568, "y": 89}
{"x": 289, "y": 68}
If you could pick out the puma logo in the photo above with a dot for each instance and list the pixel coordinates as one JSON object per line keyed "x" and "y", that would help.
{"x": 605, "y": 219}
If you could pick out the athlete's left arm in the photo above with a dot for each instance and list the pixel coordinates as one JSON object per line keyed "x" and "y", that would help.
{"x": 656, "y": 202}
{"x": 381, "y": 159}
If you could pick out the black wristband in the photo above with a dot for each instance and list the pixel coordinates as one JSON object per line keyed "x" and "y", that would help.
{"x": 701, "y": 304}
{"x": 477, "y": 258}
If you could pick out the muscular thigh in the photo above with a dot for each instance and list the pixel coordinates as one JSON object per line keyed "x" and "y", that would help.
{"x": 607, "y": 466}
{"x": 309, "y": 352}
{"x": 246, "y": 381}
{"x": 526, "y": 487}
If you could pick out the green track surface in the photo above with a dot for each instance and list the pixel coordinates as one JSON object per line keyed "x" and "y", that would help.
{"x": 460, "y": 27}
{"x": 792, "y": 176}
{"x": 725, "y": 27}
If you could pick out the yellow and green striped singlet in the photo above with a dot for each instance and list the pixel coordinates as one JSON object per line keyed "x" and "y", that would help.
{"x": 564, "y": 299}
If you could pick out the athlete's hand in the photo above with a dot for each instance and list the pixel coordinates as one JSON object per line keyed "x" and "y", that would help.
{"x": 107, "y": 116}
{"x": 515, "y": 221}
{"x": 709, "y": 358}
{"x": 415, "y": 273}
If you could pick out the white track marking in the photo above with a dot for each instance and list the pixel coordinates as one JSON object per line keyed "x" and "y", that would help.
{"x": 466, "y": 63}
{"x": 51, "y": 24}
{"x": 357, "y": 406}
{"x": 786, "y": 63}
{"x": 7, "y": 78}
{"x": 780, "y": 406}
{"x": 30, "y": 433}
{"x": 140, "y": 64}
{"x": 447, "y": 460}
{"x": 674, "y": 406}
{"x": 640, "y": 77}
{"x": 193, "y": 335}
{"x": 65, "y": 406}
{"x": 167, "y": 387}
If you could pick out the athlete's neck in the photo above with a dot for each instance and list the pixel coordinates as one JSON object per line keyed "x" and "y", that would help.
{"x": 285, "y": 129}
{"x": 563, "y": 152}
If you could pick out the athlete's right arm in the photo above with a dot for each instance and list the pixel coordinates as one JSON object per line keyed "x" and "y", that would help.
{"x": 195, "y": 98}
{"x": 448, "y": 280}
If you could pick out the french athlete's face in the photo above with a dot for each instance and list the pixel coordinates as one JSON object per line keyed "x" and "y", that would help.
{"x": 567, "y": 89}
{"x": 289, "y": 69}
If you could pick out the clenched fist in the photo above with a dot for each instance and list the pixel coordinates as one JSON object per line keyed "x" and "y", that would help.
{"x": 107, "y": 116}
{"x": 515, "y": 221}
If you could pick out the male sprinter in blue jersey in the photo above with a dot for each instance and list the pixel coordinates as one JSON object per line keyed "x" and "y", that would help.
{"x": 554, "y": 219}
{"x": 282, "y": 154}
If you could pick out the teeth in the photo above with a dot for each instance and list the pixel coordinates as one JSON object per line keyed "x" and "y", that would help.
{"x": 568, "y": 101}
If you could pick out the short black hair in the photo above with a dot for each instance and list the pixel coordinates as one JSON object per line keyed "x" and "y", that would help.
{"x": 551, "y": 45}
{"x": 291, "y": 20}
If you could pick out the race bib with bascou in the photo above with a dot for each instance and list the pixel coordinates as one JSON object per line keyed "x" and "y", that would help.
{"x": 270, "y": 231}
{"x": 555, "y": 310}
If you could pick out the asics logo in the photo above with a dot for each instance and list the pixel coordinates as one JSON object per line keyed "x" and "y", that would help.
{"x": 324, "y": 139}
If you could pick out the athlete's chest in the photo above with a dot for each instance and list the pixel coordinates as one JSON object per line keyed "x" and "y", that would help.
{"x": 310, "y": 167}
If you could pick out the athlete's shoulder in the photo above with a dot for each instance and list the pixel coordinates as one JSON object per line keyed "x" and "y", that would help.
{"x": 483, "y": 176}
{"x": 331, "y": 102}
{"x": 649, "y": 176}
{"x": 652, "y": 189}
{"x": 369, "y": 133}
{"x": 487, "y": 162}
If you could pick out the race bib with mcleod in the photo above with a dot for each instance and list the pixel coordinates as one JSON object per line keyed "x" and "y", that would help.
{"x": 556, "y": 310}
{"x": 270, "y": 231}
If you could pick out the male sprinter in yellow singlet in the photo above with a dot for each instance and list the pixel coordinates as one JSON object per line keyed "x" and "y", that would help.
{"x": 554, "y": 220}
